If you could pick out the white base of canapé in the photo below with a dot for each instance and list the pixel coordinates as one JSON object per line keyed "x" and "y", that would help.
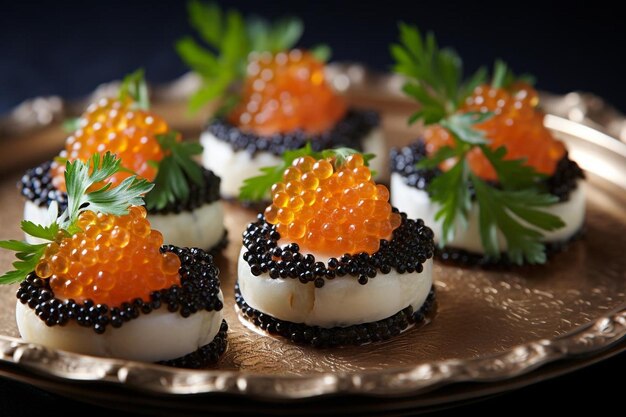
{"x": 157, "y": 336}
{"x": 202, "y": 227}
{"x": 417, "y": 205}
{"x": 233, "y": 167}
{"x": 341, "y": 302}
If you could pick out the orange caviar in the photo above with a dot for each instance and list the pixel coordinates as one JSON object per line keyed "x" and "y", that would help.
{"x": 113, "y": 260}
{"x": 516, "y": 124}
{"x": 331, "y": 210}
{"x": 113, "y": 125}
{"x": 287, "y": 91}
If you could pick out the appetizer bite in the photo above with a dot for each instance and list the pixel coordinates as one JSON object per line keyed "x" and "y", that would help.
{"x": 494, "y": 182}
{"x": 330, "y": 262}
{"x": 274, "y": 98}
{"x": 102, "y": 283}
{"x": 184, "y": 203}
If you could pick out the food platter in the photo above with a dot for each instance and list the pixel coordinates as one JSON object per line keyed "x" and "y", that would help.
{"x": 494, "y": 330}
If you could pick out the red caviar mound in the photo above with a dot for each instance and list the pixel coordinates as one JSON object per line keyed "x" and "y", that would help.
{"x": 330, "y": 209}
{"x": 516, "y": 124}
{"x": 115, "y": 126}
{"x": 284, "y": 92}
{"x": 113, "y": 260}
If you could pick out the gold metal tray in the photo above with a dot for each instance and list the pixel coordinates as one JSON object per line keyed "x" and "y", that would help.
{"x": 494, "y": 330}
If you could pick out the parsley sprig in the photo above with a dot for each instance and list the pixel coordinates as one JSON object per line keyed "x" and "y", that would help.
{"x": 28, "y": 254}
{"x": 134, "y": 86}
{"x": 513, "y": 208}
{"x": 178, "y": 167}
{"x": 503, "y": 76}
{"x": 229, "y": 39}
{"x": 84, "y": 192}
{"x": 435, "y": 75}
{"x": 174, "y": 171}
{"x": 257, "y": 188}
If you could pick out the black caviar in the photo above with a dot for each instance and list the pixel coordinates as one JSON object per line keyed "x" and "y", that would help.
{"x": 403, "y": 160}
{"x": 198, "y": 290}
{"x": 348, "y": 132}
{"x": 205, "y": 355}
{"x": 207, "y": 193}
{"x": 411, "y": 245}
{"x": 465, "y": 258}
{"x": 565, "y": 177}
{"x": 36, "y": 186}
{"x": 320, "y": 337}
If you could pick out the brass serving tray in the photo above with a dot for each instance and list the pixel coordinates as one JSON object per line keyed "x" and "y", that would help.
{"x": 493, "y": 330}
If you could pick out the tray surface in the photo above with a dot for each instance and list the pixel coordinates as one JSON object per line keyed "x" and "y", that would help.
{"x": 490, "y": 325}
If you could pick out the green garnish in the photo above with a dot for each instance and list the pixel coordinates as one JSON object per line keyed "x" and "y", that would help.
{"x": 28, "y": 255}
{"x": 174, "y": 169}
{"x": 134, "y": 87}
{"x": 503, "y": 209}
{"x": 229, "y": 40}
{"x": 79, "y": 178}
{"x": 322, "y": 52}
{"x": 499, "y": 209}
{"x": 435, "y": 75}
{"x": 435, "y": 80}
{"x": 71, "y": 125}
{"x": 257, "y": 188}
{"x": 277, "y": 36}
{"x": 503, "y": 76}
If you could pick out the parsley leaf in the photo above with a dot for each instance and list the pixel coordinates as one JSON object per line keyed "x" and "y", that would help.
{"x": 174, "y": 171}
{"x": 513, "y": 174}
{"x": 276, "y": 37}
{"x": 71, "y": 125}
{"x": 322, "y": 52}
{"x": 230, "y": 40}
{"x": 462, "y": 125}
{"x": 503, "y": 77}
{"x": 340, "y": 155}
{"x": 434, "y": 74}
{"x": 80, "y": 179}
{"x": 451, "y": 191}
{"x": 28, "y": 255}
{"x": 39, "y": 231}
{"x": 134, "y": 87}
{"x": 443, "y": 154}
{"x": 257, "y": 188}
{"x": 513, "y": 210}
{"x": 503, "y": 210}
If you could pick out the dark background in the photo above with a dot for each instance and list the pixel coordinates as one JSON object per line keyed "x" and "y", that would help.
{"x": 67, "y": 48}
